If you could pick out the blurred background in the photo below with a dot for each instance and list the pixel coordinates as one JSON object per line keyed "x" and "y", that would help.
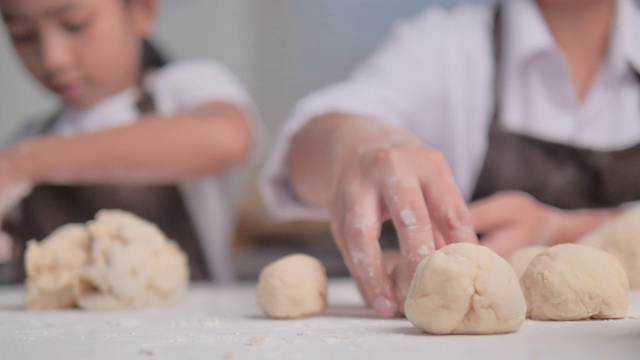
{"x": 281, "y": 50}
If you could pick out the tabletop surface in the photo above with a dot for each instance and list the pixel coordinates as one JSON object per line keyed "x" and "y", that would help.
{"x": 224, "y": 323}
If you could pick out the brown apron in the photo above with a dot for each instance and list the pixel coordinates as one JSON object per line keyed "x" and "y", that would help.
{"x": 49, "y": 207}
{"x": 556, "y": 174}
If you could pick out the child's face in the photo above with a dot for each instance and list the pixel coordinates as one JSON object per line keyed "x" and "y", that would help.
{"x": 83, "y": 50}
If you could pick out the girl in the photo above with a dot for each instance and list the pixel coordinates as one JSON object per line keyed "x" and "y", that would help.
{"x": 530, "y": 108}
{"x": 130, "y": 129}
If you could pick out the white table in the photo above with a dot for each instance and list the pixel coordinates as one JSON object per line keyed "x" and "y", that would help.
{"x": 215, "y": 323}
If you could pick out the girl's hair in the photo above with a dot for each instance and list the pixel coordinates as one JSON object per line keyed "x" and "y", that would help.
{"x": 152, "y": 57}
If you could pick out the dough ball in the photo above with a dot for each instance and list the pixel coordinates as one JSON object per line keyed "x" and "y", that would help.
{"x": 465, "y": 289}
{"x": 132, "y": 265}
{"x": 620, "y": 237}
{"x": 521, "y": 258}
{"x": 575, "y": 282}
{"x": 52, "y": 266}
{"x": 292, "y": 287}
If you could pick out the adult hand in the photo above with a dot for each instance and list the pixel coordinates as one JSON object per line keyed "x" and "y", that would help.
{"x": 511, "y": 220}
{"x": 397, "y": 178}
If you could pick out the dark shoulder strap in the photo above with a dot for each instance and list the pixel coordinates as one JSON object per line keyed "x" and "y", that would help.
{"x": 496, "y": 39}
{"x": 50, "y": 122}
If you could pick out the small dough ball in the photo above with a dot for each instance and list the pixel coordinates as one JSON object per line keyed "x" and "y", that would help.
{"x": 292, "y": 287}
{"x": 465, "y": 289}
{"x": 521, "y": 258}
{"x": 132, "y": 265}
{"x": 575, "y": 282}
{"x": 52, "y": 266}
{"x": 620, "y": 237}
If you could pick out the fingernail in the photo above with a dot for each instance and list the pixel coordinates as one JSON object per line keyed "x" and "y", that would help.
{"x": 384, "y": 307}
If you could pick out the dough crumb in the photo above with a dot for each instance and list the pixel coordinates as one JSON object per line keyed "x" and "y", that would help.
{"x": 258, "y": 340}
{"x": 229, "y": 356}
{"x": 148, "y": 351}
{"x": 124, "y": 323}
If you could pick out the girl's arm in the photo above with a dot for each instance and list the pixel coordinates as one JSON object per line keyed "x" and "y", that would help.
{"x": 156, "y": 149}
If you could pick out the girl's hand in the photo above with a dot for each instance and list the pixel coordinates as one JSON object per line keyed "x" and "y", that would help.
{"x": 400, "y": 179}
{"x": 6, "y": 247}
{"x": 14, "y": 185}
{"x": 511, "y": 220}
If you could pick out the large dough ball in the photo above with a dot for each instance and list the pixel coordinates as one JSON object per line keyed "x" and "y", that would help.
{"x": 621, "y": 238}
{"x": 465, "y": 289}
{"x": 521, "y": 258}
{"x": 292, "y": 287}
{"x": 132, "y": 265}
{"x": 574, "y": 282}
{"x": 52, "y": 266}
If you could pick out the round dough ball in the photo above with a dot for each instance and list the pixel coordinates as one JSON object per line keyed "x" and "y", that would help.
{"x": 52, "y": 266}
{"x": 575, "y": 282}
{"x": 292, "y": 287}
{"x": 620, "y": 237}
{"x": 521, "y": 258}
{"x": 132, "y": 265}
{"x": 465, "y": 289}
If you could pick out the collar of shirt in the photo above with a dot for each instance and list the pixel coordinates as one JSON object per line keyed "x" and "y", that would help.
{"x": 538, "y": 95}
{"x": 116, "y": 110}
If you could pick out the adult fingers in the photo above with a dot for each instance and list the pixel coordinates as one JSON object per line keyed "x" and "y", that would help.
{"x": 447, "y": 208}
{"x": 357, "y": 231}
{"x": 408, "y": 211}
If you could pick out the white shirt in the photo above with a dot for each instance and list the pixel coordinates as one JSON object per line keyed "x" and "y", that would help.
{"x": 434, "y": 77}
{"x": 179, "y": 87}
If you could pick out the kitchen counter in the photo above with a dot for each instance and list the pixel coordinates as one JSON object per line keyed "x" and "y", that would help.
{"x": 224, "y": 323}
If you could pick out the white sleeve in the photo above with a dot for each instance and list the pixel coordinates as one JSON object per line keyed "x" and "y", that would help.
{"x": 402, "y": 84}
{"x": 407, "y": 83}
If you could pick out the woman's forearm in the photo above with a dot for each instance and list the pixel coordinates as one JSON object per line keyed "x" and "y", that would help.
{"x": 153, "y": 150}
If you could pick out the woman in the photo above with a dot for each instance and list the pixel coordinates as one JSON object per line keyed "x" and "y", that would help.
{"x": 530, "y": 109}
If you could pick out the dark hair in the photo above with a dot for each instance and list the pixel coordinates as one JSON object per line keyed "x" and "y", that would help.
{"x": 152, "y": 57}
